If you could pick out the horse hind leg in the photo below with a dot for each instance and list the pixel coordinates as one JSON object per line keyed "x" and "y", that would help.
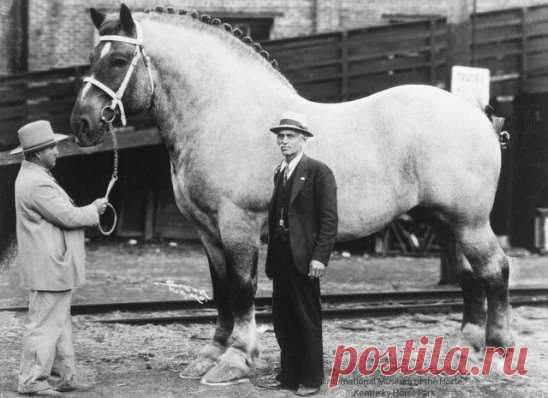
{"x": 490, "y": 270}
{"x": 474, "y": 315}
{"x": 210, "y": 353}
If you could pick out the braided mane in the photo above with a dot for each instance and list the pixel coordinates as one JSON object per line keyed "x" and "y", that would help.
{"x": 207, "y": 19}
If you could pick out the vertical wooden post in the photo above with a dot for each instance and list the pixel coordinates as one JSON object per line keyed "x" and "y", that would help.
{"x": 344, "y": 65}
{"x": 433, "y": 76}
{"x": 473, "y": 34}
{"x": 19, "y": 52}
{"x": 450, "y": 259}
{"x": 458, "y": 44}
{"x": 7, "y": 208}
{"x": 458, "y": 36}
{"x": 524, "y": 66}
{"x": 150, "y": 213}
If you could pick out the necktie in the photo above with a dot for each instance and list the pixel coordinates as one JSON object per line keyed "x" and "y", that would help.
{"x": 286, "y": 175}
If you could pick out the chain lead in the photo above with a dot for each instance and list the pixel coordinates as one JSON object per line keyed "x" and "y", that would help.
{"x": 113, "y": 179}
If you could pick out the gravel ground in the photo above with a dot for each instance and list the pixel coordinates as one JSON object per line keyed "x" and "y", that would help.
{"x": 117, "y": 271}
{"x": 143, "y": 361}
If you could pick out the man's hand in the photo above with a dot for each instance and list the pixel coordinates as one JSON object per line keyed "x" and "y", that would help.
{"x": 317, "y": 269}
{"x": 100, "y": 204}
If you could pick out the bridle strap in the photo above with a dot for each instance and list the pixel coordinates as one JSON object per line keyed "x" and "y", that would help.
{"x": 137, "y": 54}
{"x": 116, "y": 99}
{"x": 101, "y": 86}
{"x": 137, "y": 42}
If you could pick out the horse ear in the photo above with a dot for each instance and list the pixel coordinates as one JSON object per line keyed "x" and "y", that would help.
{"x": 97, "y": 17}
{"x": 126, "y": 19}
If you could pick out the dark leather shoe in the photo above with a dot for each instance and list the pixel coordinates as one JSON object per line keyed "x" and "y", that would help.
{"x": 73, "y": 386}
{"x": 303, "y": 391}
{"x": 276, "y": 385}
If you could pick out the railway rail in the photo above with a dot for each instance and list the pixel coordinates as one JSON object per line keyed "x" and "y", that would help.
{"x": 334, "y": 306}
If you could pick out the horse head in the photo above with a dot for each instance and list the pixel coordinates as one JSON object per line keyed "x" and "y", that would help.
{"x": 120, "y": 78}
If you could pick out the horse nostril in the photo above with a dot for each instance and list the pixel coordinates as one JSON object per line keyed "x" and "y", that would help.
{"x": 84, "y": 125}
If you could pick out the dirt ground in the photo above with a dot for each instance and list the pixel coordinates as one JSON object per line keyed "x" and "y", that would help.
{"x": 118, "y": 271}
{"x": 144, "y": 361}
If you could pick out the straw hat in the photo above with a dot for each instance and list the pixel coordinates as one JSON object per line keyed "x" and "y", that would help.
{"x": 293, "y": 121}
{"x": 36, "y": 135}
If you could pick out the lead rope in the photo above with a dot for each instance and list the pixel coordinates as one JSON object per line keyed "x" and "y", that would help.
{"x": 113, "y": 179}
{"x": 108, "y": 113}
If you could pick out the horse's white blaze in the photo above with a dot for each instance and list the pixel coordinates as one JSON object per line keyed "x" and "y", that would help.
{"x": 87, "y": 86}
{"x": 105, "y": 49}
{"x": 85, "y": 89}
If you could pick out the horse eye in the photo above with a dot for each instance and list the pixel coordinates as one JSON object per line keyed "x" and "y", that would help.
{"x": 119, "y": 62}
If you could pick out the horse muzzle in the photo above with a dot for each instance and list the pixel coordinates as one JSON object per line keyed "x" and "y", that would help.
{"x": 86, "y": 133}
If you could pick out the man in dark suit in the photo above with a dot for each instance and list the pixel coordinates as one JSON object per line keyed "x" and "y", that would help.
{"x": 302, "y": 225}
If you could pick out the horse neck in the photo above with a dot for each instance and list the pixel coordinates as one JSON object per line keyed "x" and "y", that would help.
{"x": 206, "y": 86}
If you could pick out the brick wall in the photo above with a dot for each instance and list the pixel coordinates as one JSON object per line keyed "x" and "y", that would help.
{"x": 6, "y": 36}
{"x": 355, "y": 14}
{"x": 61, "y": 33}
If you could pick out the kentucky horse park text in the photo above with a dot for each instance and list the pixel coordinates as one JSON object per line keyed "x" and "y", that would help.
{"x": 453, "y": 363}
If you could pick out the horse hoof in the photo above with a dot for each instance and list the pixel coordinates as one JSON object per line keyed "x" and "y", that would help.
{"x": 197, "y": 368}
{"x": 474, "y": 335}
{"x": 499, "y": 338}
{"x": 232, "y": 368}
{"x": 207, "y": 357}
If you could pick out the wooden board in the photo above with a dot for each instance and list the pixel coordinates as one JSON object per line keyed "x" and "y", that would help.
{"x": 127, "y": 138}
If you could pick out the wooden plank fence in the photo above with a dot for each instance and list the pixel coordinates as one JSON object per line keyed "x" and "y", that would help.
{"x": 346, "y": 65}
{"x": 513, "y": 44}
{"x": 338, "y": 66}
{"x": 328, "y": 67}
{"x": 43, "y": 95}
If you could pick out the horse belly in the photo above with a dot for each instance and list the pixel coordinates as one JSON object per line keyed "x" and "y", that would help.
{"x": 368, "y": 208}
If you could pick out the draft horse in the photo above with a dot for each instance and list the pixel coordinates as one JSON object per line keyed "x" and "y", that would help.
{"x": 213, "y": 94}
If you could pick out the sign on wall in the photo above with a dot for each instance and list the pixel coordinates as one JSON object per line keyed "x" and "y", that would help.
{"x": 471, "y": 83}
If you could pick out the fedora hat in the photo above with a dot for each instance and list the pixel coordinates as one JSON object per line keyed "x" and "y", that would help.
{"x": 293, "y": 121}
{"x": 36, "y": 135}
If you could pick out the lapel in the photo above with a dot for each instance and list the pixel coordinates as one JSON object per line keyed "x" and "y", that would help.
{"x": 277, "y": 176}
{"x": 300, "y": 174}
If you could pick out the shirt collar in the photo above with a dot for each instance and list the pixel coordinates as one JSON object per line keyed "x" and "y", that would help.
{"x": 293, "y": 163}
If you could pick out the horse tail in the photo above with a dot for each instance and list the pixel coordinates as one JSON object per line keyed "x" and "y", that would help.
{"x": 498, "y": 124}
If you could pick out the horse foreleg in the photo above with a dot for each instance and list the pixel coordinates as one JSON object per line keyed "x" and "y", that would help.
{"x": 490, "y": 266}
{"x": 209, "y": 354}
{"x": 240, "y": 235}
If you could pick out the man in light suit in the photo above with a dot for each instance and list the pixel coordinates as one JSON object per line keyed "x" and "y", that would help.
{"x": 302, "y": 225}
{"x": 51, "y": 257}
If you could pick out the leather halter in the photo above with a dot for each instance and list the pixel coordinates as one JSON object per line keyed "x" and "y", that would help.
{"x": 117, "y": 95}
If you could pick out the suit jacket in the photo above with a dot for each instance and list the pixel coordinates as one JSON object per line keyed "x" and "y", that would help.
{"x": 50, "y": 235}
{"x": 312, "y": 215}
